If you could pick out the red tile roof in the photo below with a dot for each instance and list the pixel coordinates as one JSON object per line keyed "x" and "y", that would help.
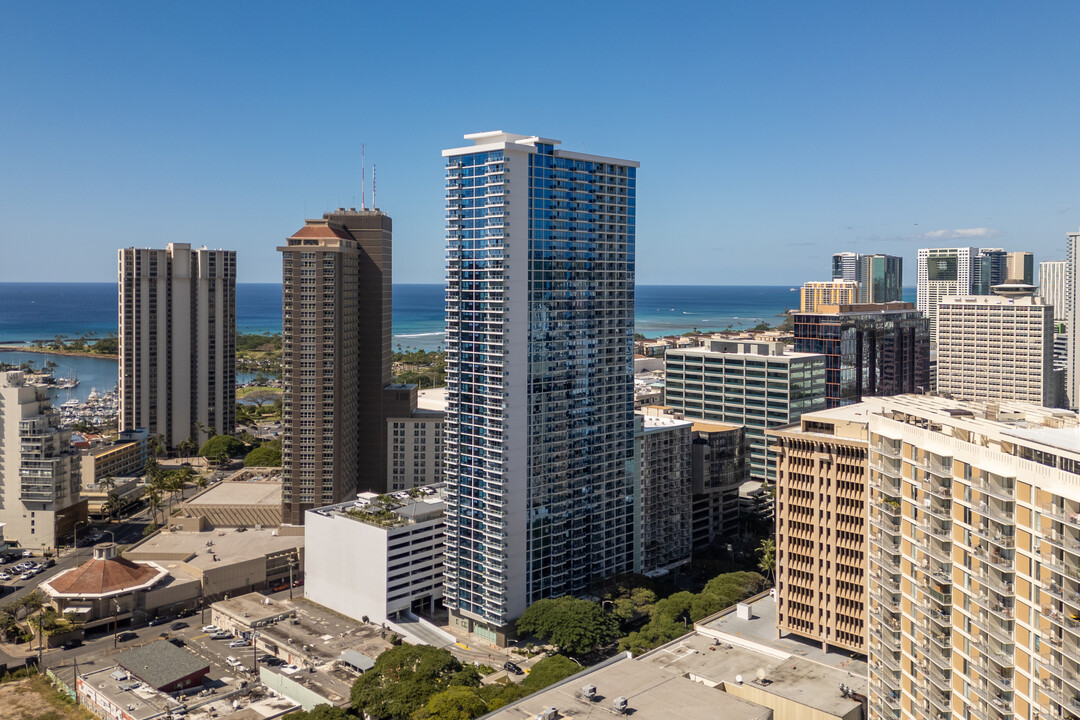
{"x": 320, "y": 232}
{"x": 100, "y": 577}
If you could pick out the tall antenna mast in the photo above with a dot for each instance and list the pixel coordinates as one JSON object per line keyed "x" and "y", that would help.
{"x": 363, "y": 180}
{"x": 374, "y": 205}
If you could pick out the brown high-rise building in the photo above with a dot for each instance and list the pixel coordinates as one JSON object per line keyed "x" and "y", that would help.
{"x": 336, "y": 330}
{"x": 821, "y": 527}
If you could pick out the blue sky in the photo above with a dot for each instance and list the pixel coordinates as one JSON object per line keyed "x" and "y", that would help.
{"x": 770, "y": 134}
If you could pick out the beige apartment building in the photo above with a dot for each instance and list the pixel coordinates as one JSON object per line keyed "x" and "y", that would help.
{"x": 821, "y": 519}
{"x": 177, "y": 342}
{"x": 998, "y": 347}
{"x": 833, "y": 292}
{"x": 664, "y": 488}
{"x": 39, "y": 471}
{"x": 974, "y": 557}
{"x": 414, "y": 436}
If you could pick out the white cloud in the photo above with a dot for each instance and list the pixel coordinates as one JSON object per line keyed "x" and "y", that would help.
{"x": 959, "y": 233}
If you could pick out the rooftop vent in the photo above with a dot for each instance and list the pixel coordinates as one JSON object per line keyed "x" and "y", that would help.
{"x": 621, "y": 704}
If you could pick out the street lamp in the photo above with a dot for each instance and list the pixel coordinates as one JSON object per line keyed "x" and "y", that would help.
{"x": 75, "y": 539}
{"x": 111, "y": 535}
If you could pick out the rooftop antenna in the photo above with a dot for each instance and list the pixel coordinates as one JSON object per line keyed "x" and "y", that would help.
{"x": 374, "y": 205}
{"x": 363, "y": 180}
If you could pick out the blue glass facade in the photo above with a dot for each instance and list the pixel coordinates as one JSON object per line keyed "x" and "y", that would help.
{"x": 540, "y": 276}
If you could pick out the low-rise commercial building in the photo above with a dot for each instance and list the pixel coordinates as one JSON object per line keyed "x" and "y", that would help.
{"x": 377, "y": 557}
{"x": 730, "y": 666}
{"x": 110, "y": 588}
{"x": 249, "y": 498}
{"x": 226, "y": 561}
{"x": 126, "y": 457}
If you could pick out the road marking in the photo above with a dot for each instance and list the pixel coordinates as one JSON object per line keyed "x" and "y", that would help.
{"x": 463, "y": 646}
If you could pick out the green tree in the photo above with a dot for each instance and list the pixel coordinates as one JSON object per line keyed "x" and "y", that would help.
{"x": 266, "y": 455}
{"x": 574, "y": 626}
{"x": 454, "y": 703}
{"x": 219, "y": 445}
{"x": 321, "y": 712}
{"x": 499, "y": 694}
{"x": 767, "y": 550}
{"x": 549, "y": 671}
{"x": 404, "y": 678}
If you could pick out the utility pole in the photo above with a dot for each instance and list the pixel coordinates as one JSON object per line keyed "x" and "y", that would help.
{"x": 290, "y": 577}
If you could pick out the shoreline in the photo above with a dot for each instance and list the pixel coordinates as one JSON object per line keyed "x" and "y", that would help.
{"x": 47, "y": 351}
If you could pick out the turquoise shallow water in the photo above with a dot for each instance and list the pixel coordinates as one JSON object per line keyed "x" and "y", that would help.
{"x": 32, "y": 311}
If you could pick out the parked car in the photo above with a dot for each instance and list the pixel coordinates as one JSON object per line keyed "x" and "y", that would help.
{"x": 221, "y": 635}
{"x": 178, "y": 626}
{"x": 242, "y": 668}
{"x": 239, "y": 643}
{"x": 28, "y": 553}
{"x": 275, "y": 662}
{"x": 231, "y": 661}
{"x": 50, "y": 562}
{"x": 27, "y": 575}
{"x": 512, "y": 667}
{"x": 125, "y": 636}
{"x": 211, "y": 629}
{"x": 71, "y": 644}
{"x": 4, "y": 576}
{"x": 158, "y": 621}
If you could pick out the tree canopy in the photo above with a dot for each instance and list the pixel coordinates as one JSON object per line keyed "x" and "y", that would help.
{"x": 321, "y": 712}
{"x": 454, "y": 703}
{"x": 574, "y": 626}
{"x": 405, "y": 677}
{"x": 221, "y": 445}
{"x": 671, "y": 617}
{"x": 266, "y": 455}
{"x": 549, "y": 671}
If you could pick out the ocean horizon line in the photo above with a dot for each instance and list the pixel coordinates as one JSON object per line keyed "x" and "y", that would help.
{"x": 405, "y": 284}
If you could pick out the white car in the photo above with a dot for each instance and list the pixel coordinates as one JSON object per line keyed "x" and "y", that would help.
{"x": 211, "y": 629}
{"x": 239, "y": 643}
{"x": 242, "y": 668}
{"x": 5, "y": 576}
{"x": 231, "y": 661}
{"x": 27, "y": 575}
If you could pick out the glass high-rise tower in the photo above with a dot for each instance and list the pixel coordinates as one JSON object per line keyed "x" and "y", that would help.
{"x": 540, "y": 410}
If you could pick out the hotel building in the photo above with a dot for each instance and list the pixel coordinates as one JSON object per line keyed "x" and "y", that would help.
{"x": 880, "y": 277}
{"x": 998, "y": 347}
{"x": 178, "y": 342}
{"x": 335, "y": 360}
{"x": 39, "y": 471}
{"x": 869, "y": 349}
{"x": 974, "y": 549}
{"x": 539, "y": 433}
{"x": 821, "y": 527}
{"x": 836, "y": 292}
{"x": 944, "y": 272}
{"x": 1053, "y": 276}
{"x": 759, "y": 385}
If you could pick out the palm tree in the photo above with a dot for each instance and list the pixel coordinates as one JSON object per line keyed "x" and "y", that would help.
{"x": 111, "y": 504}
{"x": 155, "y": 504}
{"x": 767, "y": 563}
{"x": 201, "y": 482}
{"x": 107, "y": 483}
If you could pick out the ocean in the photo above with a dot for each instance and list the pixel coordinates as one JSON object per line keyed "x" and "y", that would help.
{"x": 42, "y": 311}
